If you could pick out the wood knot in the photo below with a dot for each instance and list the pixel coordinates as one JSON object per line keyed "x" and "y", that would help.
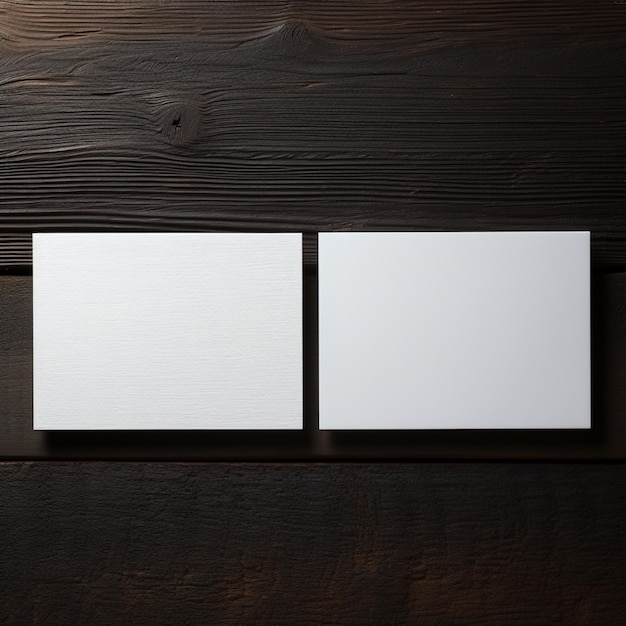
{"x": 179, "y": 123}
{"x": 297, "y": 37}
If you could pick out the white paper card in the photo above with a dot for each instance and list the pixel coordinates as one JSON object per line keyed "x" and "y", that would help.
{"x": 167, "y": 331}
{"x": 454, "y": 330}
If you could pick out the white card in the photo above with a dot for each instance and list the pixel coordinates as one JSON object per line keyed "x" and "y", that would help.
{"x": 454, "y": 330}
{"x": 167, "y": 331}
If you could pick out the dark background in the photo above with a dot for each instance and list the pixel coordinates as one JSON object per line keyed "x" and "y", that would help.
{"x": 189, "y": 115}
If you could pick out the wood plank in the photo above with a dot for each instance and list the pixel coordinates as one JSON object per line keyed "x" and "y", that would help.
{"x": 606, "y": 440}
{"x": 54, "y": 23}
{"x": 306, "y": 116}
{"x": 319, "y": 544}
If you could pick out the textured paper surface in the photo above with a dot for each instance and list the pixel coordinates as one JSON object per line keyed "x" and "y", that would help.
{"x": 167, "y": 331}
{"x": 454, "y": 330}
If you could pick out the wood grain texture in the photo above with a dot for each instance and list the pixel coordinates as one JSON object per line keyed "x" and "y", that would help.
{"x": 320, "y": 544}
{"x": 293, "y": 115}
{"x": 307, "y": 116}
{"x": 606, "y": 440}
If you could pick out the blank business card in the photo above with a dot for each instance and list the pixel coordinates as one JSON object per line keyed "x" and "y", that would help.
{"x": 454, "y": 330}
{"x": 167, "y": 331}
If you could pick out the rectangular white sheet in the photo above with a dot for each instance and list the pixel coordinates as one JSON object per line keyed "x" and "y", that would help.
{"x": 454, "y": 330}
{"x": 167, "y": 331}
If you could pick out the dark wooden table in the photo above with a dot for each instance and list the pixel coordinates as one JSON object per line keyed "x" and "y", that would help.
{"x": 306, "y": 116}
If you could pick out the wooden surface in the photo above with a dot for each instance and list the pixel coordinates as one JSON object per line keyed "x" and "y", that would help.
{"x": 303, "y": 115}
{"x": 152, "y": 544}
{"x": 195, "y": 115}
